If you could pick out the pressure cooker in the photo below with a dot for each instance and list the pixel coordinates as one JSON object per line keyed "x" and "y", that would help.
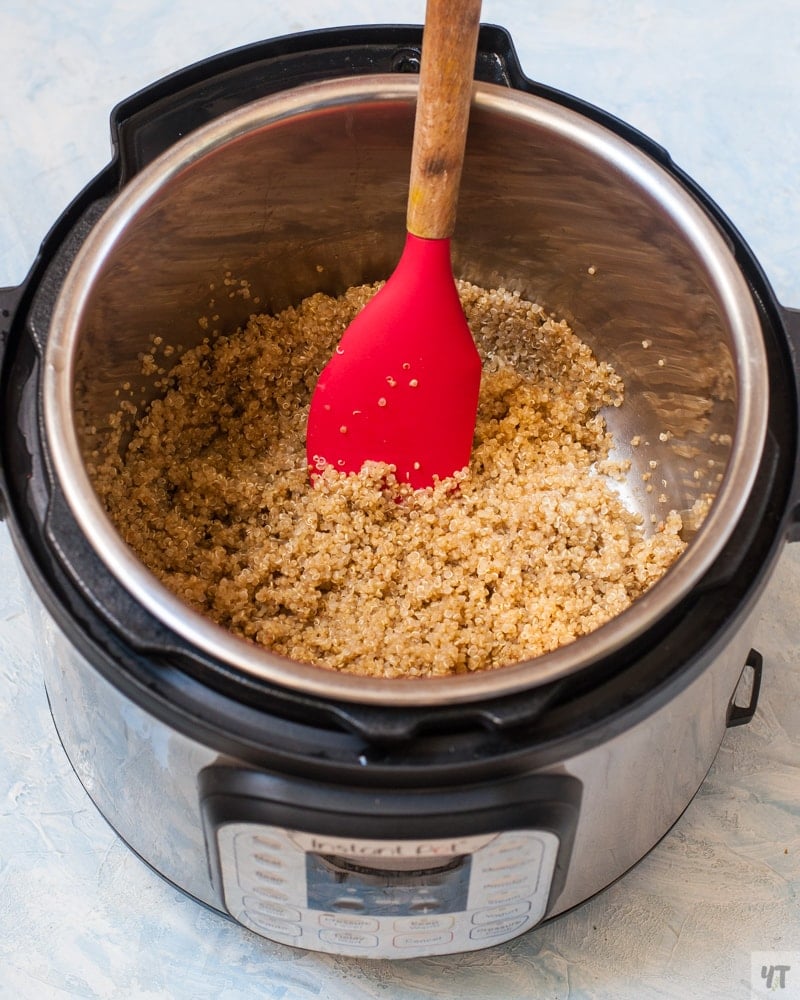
{"x": 376, "y": 817}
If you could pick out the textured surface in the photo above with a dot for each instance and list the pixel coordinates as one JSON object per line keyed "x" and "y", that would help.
{"x": 719, "y": 86}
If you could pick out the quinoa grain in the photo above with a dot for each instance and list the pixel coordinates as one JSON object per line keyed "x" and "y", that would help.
{"x": 526, "y": 550}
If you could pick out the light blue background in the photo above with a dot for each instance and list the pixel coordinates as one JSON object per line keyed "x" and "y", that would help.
{"x": 718, "y": 84}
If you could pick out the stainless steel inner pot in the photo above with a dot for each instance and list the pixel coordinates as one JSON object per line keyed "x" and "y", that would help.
{"x": 305, "y": 191}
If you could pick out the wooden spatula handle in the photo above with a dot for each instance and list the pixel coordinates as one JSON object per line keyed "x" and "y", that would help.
{"x": 449, "y": 45}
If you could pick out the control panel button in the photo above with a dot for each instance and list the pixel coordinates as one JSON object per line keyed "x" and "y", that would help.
{"x": 271, "y": 878}
{"x": 514, "y": 842}
{"x": 493, "y": 914}
{"x": 349, "y": 939}
{"x": 270, "y": 892}
{"x": 519, "y": 850}
{"x": 348, "y": 922}
{"x": 514, "y": 888}
{"x": 500, "y": 896}
{"x": 432, "y": 939}
{"x": 424, "y": 923}
{"x": 268, "y": 908}
{"x": 272, "y": 925}
{"x": 260, "y": 841}
{"x": 506, "y": 928}
{"x": 507, "y": 862}
{"x": 508, "y": 880}
{"x": 263, "y": 859}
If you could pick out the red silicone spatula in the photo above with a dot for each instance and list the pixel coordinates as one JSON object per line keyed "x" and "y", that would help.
{"x": 402, "y": 387}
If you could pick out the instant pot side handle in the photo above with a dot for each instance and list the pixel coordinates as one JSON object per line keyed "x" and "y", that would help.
{"x": 10, "y": 299}
{"x": 791, "y": 320}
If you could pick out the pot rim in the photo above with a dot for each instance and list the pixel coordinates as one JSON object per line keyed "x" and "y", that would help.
{"x": 696, "y": 226}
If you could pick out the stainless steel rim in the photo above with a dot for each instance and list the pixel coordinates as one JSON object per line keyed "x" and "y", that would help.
{"x": 699, "y": 230}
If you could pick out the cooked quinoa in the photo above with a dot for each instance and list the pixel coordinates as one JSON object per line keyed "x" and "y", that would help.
{"x": 524, "y": 551}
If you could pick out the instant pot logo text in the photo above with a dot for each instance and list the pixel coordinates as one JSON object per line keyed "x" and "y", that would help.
{"x": 385, "y": 850}
{"x": 321, "y": 844}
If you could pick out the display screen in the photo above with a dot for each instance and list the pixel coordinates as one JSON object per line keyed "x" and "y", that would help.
{"x": 341, "y": 884}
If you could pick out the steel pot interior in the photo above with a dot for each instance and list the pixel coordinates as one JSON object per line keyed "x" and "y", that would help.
{"x": 305, "y": 191}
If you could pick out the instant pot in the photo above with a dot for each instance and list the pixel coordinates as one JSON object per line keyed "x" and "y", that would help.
{"x": 391, "y": 818}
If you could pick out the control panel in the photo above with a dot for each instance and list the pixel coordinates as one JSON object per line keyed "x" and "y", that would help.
{"x": 385, "y": 899}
